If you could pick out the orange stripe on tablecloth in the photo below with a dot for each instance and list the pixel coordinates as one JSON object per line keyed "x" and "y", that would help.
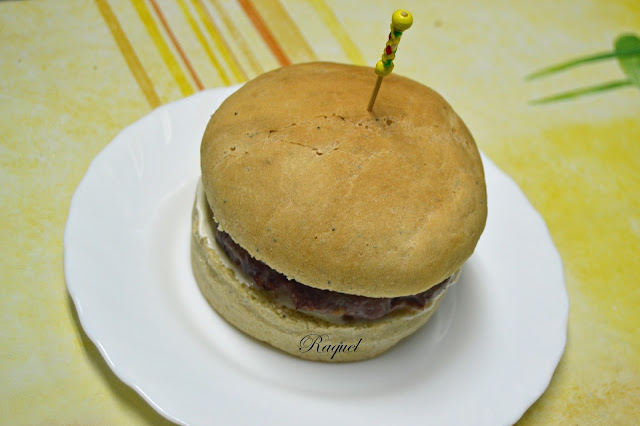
{"x": 138, "y": 71}
{"x": 236, "y": 35}
{"x": 285, "y": 30}
{"x": 163, "y": 48}
{"x": 176, "y": 45}
{"x": 264, "y": 32}
{"x": 338, "y": 31}
{"x": 221, "y": 45}
{"x": 203, "y": 41}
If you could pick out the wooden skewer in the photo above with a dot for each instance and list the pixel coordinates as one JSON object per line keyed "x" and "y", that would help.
{"x": 401, "y": 20}
{"x": 374, "y": 95}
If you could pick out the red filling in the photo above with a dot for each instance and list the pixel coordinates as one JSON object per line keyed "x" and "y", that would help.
{"x": 306, "y": 298}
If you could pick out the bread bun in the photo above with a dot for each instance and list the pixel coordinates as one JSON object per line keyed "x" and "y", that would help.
{"x": 304, "y": 179}
{"x": 381, "y": 204}
{"x": 254, "y": 312}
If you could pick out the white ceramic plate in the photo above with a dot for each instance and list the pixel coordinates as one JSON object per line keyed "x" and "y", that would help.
{"x": 484, "y": 358}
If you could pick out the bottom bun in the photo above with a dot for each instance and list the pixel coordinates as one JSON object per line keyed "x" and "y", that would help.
{"x": 251, "y": 310}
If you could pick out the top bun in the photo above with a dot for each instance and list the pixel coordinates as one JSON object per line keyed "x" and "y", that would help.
{"x": 380, "y": 204}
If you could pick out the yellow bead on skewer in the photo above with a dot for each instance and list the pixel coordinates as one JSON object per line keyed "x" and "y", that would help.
{"x": 401, "y": 20}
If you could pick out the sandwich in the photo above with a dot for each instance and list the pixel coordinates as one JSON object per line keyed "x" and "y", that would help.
{"x": 327, "y": 231}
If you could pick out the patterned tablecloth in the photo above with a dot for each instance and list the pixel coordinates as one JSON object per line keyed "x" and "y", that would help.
{"x": 75, "y": 73}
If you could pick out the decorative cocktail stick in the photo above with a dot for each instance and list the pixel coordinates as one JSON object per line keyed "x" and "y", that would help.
{"x": 401, "y": 20}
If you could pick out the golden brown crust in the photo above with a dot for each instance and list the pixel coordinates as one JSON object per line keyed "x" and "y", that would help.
{"x": 382, "y": 204}
{"x": 248, "y": 309}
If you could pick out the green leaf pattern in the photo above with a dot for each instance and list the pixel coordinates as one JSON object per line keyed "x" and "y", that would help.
{"x": 630, "y": 64}
{"x": 626, "y": 51}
